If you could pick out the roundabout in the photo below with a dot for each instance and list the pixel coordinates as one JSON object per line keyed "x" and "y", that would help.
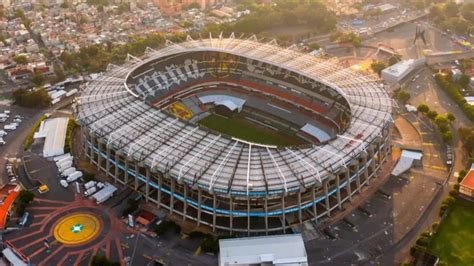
{"x": 76, "y": 229}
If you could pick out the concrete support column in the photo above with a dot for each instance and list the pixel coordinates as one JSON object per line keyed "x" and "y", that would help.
{"x": 199, "y": 207}
{"x": 107, "y": 163}
{"x": 99, "y": 157}
{"x": 358, "y": 175}
{"x": 137, "y": 173}
{"x": 315, "y": 207}
{"x": 366, "y": 170}
{"x": 160, "y": 185}
{"x": 91, "y": 149}
{"x": 348, "y": 183}
{"x": 338, "y": 192}
{"x": 126, "y": 171}
{"x": 116, "y": 167}
{"x": 248, "y": 217}
{"x": 266, "y": 216}
{"x": 231, "y": 216}
{"x": 185, "y": 202}
{"x": 299, "y": 207}
{"x": 147, "y": 184}
{"x": 84, "y": 140}
{"x": 283, "y": 217}
{"x": 214, "y": 203}
{"x": 173, "y": 186}
{"x": 326, "y": 194}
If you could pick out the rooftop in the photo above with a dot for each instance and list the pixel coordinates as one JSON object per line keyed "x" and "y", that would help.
{"x": 255, "y": 250}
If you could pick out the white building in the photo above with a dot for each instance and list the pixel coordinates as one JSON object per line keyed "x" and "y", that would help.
{"x": 53, "y": 130}
{"x": 393, "y": 74}
{"x": 265, "y": 250}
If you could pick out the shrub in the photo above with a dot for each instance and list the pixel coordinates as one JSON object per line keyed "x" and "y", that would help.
{"x": 167, "y": 225}
{"x": 432, "y": 114}
{"x": 88, "y": 176}
{"x": 31, "y": 133}
{"x": 403, "y": 96}
{"x": 423, "y": 108}
{"x": 26, "y": 196}
{"x": 101, "y": 260}
{"x": 34, "y": 99}
{"x": 209, "y": 244}
{"x": 447, "y": 136}
{"x": 71, "y": 125}
{"x": 453, "y": 91}
{"x": 132, "y": 206}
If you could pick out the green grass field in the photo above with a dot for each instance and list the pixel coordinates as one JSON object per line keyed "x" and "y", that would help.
{"x": 454, "y": 241}
{"x": 246, "y": 130}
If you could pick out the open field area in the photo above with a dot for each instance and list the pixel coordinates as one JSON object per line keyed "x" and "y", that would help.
{"x": 454, "y": 241}
{"x": 243, "y": 129}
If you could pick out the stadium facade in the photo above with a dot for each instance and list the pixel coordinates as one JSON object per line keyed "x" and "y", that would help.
{"x": 138, "y": 123}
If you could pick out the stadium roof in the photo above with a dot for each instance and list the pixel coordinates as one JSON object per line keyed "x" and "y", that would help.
{"x": 225, "y": 165}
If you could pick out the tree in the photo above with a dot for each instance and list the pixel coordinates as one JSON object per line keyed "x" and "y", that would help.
{"x": 35, "y": 99}
{"x": 60, "y": 76}
{"x": 38, "y": 79}
{"x": 26, "y": 196}
{"x": 447, "y": 137}
{"x": 423, "y": 108}
{"x": 65, "y": 5}
{"x": 393, "y": 60}
{"x": 403, "y": 96}
{"x": 378, "y": 66}
{"x": 451, "y": 9}
{"x": 464, "y": 80}
{"x": 193, "y": 5}
{"x": 3, "y": 39}
{"x": 432, "y": 114}
{"x": 442, "y": 122}
{"x": 18, "y": 13}
{"x": 20, "y": 59}
{"x": 468, "y": 12}
{"x": 314, "y": 46}
{"x": 467, "y": 136}
{"x": 101, "y": 260}
{"x": 450, "y": 117}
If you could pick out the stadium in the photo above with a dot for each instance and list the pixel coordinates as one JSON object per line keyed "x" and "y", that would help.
{"x": 236, "y": 134}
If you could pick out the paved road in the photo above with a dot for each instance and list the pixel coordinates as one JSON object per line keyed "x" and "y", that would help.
{"x": 15, "y": 139}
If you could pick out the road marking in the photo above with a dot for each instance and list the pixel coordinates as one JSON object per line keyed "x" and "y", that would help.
{"x": 428, "y": 144}
{"x": 198, "y": 251}
{"x": 435, "y": 167}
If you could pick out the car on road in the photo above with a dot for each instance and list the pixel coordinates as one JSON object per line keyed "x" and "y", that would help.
{"x": 2, "y": 142}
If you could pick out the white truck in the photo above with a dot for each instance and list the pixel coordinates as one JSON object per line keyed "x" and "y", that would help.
{"x": 90, "y": 191}
{"x": 104, "y": 194}
{"x": 64, "y": 183}
{"x": 90, "y": 184}
{"x": 65, "y": 159}
{"x": 64, "y": 165}
{"x": 74, "y": 176}
{"x": 57, "y": 158}
{"x": 68, "y": 171}
{"x": 71, "y": 92}
{"x": 9, "y": 127}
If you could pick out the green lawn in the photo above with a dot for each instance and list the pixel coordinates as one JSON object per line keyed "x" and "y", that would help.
{"x": 454, "y": 241}
{"x": 246, "y": 130}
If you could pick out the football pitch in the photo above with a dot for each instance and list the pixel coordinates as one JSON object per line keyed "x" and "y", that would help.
{"x": 454, "y": 241}
{"x": 246, "y": 130}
